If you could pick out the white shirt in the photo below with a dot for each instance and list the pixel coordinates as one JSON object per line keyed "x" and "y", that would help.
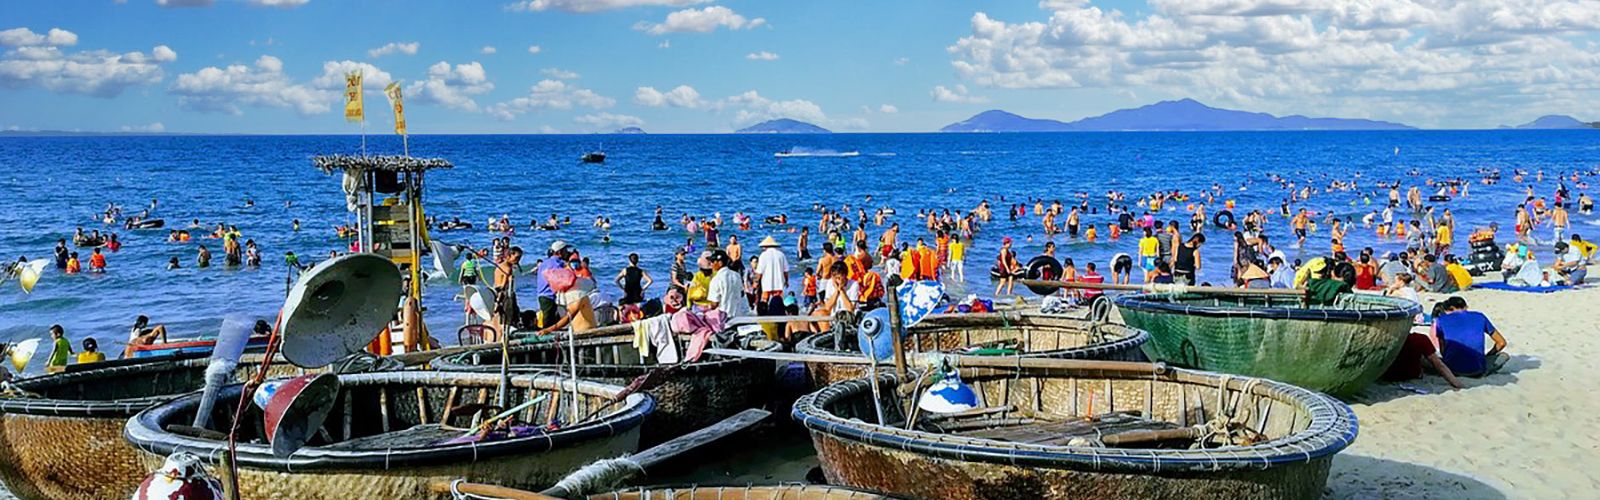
{"x": 772, "y": 265}
{"x": 727, "y": 291}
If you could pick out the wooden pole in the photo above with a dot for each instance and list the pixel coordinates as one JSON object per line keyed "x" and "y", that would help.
{"x": 960, "y": 361}
{"x": 1160, "y": 288}
{"x": 896, "y": 332}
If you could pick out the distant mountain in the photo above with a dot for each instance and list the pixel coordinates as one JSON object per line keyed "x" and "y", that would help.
{"x": 783, "y": 126}
{"x": 629, "y": 130}
{"x": 1555, "y": 121}
{"x": 1185, "y": 114}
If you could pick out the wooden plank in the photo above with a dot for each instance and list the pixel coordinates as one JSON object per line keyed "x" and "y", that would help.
{"x": 485, "y": 491}
{"x": 449, "y": 406}
{"x": 422, "y": 406}
{"x": 383, "y": 406}
{"x": 959, "y": 360}
{"x": 664, "y": 452}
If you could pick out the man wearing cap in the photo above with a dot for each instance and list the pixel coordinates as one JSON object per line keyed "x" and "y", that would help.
{"x": 726, "y": 291}
{"x": 556, "y": 258}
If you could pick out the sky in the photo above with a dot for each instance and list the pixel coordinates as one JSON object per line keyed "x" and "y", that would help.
{"x": 712, "y": 66}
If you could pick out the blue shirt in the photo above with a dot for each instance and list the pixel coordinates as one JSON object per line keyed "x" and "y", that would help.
{"x": 544, "y": 286}
{"x": 1461, "y": 340}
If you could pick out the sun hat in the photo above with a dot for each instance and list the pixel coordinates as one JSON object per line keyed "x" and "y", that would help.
{"x": 769, "y": 242}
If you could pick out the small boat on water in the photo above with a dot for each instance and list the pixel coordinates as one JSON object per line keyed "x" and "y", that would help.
{"x": 389, "y": 434}
{"x": 1023, "y": 334}
{"x": 190, "y": 346}
{"x": 1338, "y": 349}
{"x": 1081, "y": 429}
{"x": 688, "y": 396}
{"x": 61, "y": 434}
{"x": 593, "y": 157}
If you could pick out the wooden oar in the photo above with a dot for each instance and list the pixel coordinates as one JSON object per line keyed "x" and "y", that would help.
{"x": 621, "y": 469}
{"x": 958, "y": 360}
{"x": 1162, "y": 288}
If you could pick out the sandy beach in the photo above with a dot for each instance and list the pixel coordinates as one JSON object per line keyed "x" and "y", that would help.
{"x": 1527, "y": 432}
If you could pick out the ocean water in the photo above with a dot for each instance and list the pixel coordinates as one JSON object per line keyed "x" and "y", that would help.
{"x": 51, "y": 185}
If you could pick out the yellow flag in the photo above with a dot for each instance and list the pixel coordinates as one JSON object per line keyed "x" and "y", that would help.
{"x": 393, "y": 93}
{"x": 353, "y": 111}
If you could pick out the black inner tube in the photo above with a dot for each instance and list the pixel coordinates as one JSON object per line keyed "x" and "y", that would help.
{"x": 1219, "y": 218}
{"x": 1043, "y": 267}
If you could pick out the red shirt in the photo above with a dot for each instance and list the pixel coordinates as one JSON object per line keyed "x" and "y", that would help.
{"x": 1408, "y": 365}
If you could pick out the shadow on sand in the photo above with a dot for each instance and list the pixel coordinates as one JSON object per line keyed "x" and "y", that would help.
{"x": 1432, "y": 383}
{"x": 1356, "y": 476}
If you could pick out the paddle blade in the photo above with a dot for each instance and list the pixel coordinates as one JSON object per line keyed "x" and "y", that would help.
{"x": 233, "y": 337}
{"x": 22, "y": 352}
{"x": 29, "y": 275}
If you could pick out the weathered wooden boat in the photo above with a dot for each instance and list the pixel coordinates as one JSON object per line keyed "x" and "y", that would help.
{"x": 61, "y": 434}
{"x": 688, "y": 395}
{"x": 1033, "y": 334}
{"x": 691, "y": 492}
{"x": 389, "y": 434}
{"x": 1338, "y": 349}
{"x": 1067, "y": 432}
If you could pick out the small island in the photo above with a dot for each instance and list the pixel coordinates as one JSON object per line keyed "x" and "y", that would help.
{"x": 783, "y": 126}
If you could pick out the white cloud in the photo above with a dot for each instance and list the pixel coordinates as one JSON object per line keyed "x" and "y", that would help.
{"x": 546, "y": 129}
{"x": 752, "y": 107}
{"x": 608, "y": 121}
{"x": 38, "y": 60}
{"x": 665, "y": 44}
{"x": 333, "y": 72}
{"x": 1461, "y": 63}
{"x": 285, "y": 4}
{"x": 682, "y": 96}
{"x": 586, "y": 6}
{"x": 150, "y": 128}
{"x": 184, "y": 3}
{"x": 486, "y": 50}
{"x": 550, "y": 94}
{"x": 888, "y": 109}
{"x": 761, "y": 56}
{"x": 958, "y": 94}
{"x": 407, "y": 48}
{"x": 534, "y": 49}
{"x": 452, "y": 87}
{"x": 902, "y": 61}
{"x": 559, "y": 74}
{"x": 24, "y": 37}
{"x": 264, "y": 84}
{"x": 703, "y": 20}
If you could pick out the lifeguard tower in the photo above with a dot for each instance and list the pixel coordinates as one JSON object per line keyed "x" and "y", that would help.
{"x": 385, "y": 194}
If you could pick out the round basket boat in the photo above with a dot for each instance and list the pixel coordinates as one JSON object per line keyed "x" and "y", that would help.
{"x": 62, "y": 439}
{"x": 1300, "y": 431}
{"x": 1338, "y": 349}
{"x": 688, "y": 396}
{"x": 390, "y": 434}
{"x": 1038, "y": 335}
{"x": 691, "y": 492}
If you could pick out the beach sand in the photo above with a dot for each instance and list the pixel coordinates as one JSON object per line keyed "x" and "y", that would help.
{"x": 1530, "y": 431}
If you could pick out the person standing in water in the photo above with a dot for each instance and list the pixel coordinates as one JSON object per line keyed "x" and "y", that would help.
{"x": 633, "y": 280}
{"x": 1186, "y": 267}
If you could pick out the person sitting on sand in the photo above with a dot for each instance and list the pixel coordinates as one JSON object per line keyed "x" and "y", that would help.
{"x": 143, "y": 334}
{"x": 1569, "y": 264}
{"x": 1416, "y": 349}
{"x": 1434, "y": 277}
{"x": 1328, "y": 282}
{"x": 1460, "y": 333}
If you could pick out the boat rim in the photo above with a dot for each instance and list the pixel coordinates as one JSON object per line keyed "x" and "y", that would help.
{"x": 144, "y": 430}
{"x": 1138, "y": 338}
{"x": 1332, "y": 428}
{"x": 90, "y": 408}
{"x": 1165, "y": 302}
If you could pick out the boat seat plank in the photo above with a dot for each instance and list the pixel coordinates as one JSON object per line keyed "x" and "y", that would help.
{"x": 1059, "y": 432}
{"x": 414, "y": 437}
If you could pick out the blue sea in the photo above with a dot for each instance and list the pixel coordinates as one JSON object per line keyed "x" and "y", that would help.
{"x": 51, "y": 185}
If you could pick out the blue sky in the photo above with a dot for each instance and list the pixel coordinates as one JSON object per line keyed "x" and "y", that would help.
{"x": 267, "y": 66}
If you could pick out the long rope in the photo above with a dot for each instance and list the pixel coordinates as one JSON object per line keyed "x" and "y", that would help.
{"x": 273, "y": 342}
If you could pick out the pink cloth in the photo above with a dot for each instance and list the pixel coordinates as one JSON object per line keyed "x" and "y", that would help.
{"x": 700, "y": 326}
